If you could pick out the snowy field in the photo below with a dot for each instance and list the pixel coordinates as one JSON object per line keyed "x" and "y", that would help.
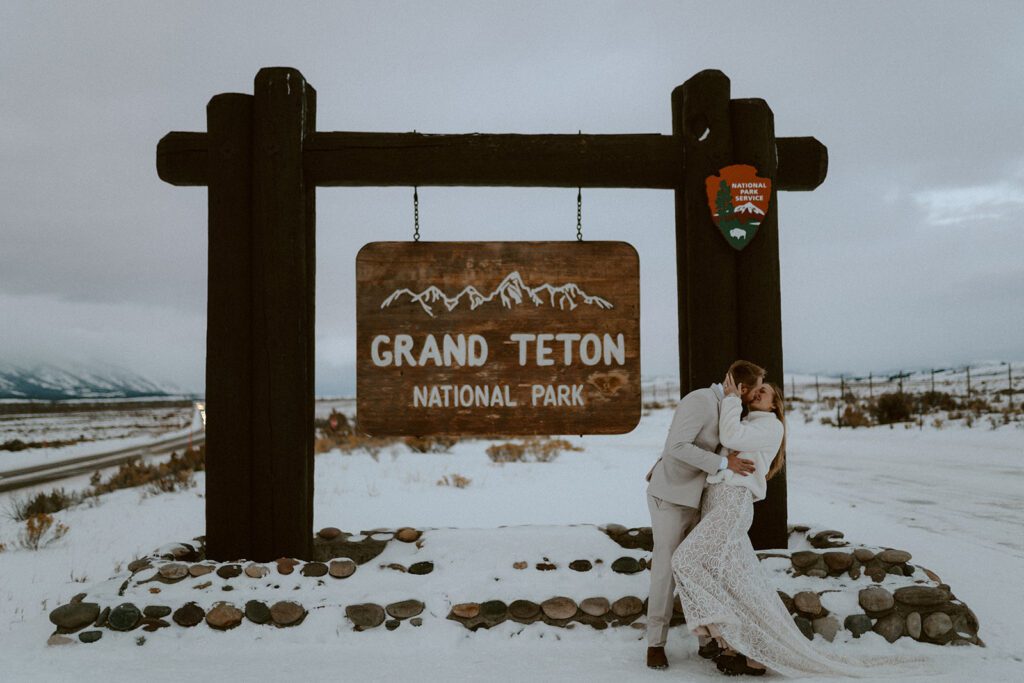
{"x": 954, "y": 498}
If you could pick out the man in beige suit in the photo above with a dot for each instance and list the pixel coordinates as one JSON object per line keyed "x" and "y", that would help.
{"x": 675, "y": 489}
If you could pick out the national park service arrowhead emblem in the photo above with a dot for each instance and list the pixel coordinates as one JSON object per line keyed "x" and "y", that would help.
{"x": 739, "y": 202}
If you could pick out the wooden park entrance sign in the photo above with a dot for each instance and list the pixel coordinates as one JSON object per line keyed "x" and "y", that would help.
{"x": 497, "y": 338}
{"x": 262, "y": 160}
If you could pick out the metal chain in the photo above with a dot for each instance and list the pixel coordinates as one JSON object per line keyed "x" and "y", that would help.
{"x": 415, "y": 214}
{"x": 579, "y": 214}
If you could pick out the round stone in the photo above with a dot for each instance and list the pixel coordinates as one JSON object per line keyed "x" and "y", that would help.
{"x": 173, "y": 572}
{"x": 151, "y": 624}
{"x": 805, "y": 627}
{"x": 57, "y": 639}
{"x": 416, "y": 621}
{"x": 524, "y": 610}
{"x": 408, "y": 534}
{"x": 787, "y": 601}
{"x": 828, "y": 627}
{"x": 365, "y": 616}
{"x": 854, "y": 572}
{"x": 124, "y": 617}
{"x": 937, "y": 624}
{"x": 257, "y": 612}
{"x": 857, "y": 624}
{"x": 286, "y": 565}
{"x": 894, "y": 556}
{"x": 817, "y": 573}
{"x": 626, "y": 565}
{"x": 804, "y": 559}
{"x": 615, "y": 529}
{"x": 421, "y": 568}
{"x": 875, "y": 599}
{"x": 156, "y": 611}
{"x": 807, "y": 603}
{"x": 287, "y": 613}
{"x": 627, "y": 606}
{"x": 90, "y": 636}
{"x": 329, "y": 533}
{"x": 466, "y": 610}
{"x": 139, "y": 565}
{"x": 256, "y": 571}
{"x": 863, "y": 555}
{"x": 921, "y": 596}
{"x": 890, "y": 627}
{"x": 595, "y": 607}
{"x": 229, "y": 571}
{"x": 558, "y": 608}
{"x": 392, "y": 624}
{"x": 200, "y": 570}
{"x": 914, "y": 625}
{"x": 877, "y": 574}
{"x": 493, "y": 611}
{"x": 838, "y": 562}
{"x": 342, "y": 569}
{"x": 581, "y": 565}
{"x": 314, "y": 569}
{"x": 224, "y": 616}
{"x": 405, "y": 609}
{"x": 75, "y": 616}
{"x": 188, "y": 615}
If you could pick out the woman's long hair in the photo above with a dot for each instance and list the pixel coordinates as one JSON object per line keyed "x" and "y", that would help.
{"x": 779, "y": 408}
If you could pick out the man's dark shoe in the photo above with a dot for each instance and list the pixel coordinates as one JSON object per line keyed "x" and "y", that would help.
{"x": 736, "y": 665}
{"x": 656, "y": 658}
{"x": 710, "y": 650}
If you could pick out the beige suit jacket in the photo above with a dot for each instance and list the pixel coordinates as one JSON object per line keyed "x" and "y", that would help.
{"x": 689, "y": 455}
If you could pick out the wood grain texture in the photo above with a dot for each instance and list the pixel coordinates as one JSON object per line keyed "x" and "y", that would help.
{"x": 639, "y": 160}
{"x": 386, "y": 398}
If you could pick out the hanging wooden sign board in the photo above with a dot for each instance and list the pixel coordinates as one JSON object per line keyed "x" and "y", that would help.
{"x": 497, "y": 338}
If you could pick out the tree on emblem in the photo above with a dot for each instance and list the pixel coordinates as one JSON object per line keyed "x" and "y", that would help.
{"x": 723, "y": 201}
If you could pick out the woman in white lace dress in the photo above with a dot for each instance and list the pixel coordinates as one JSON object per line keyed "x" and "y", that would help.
{"x": 723, "y": 590}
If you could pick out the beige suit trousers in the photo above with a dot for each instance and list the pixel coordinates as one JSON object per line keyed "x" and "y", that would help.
{"x": 670, "y": 523}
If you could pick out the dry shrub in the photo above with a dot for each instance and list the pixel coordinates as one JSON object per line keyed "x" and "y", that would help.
{"x": 42, "y": 503}
{"x": 828, "y": 421}
{"x": 853, "y": 416}
{"x": 173, "y": 475}
{"x": 430, "y": 444}
{"x": 936, "y": 400}
{"x": 530, "y": 449}
{"x": 40, "y": 531}
{"x": 3, "y": 547}
{"x": 977, "y": 406}
{"x": 456, "y": 480}
{"x": 938, "y": 423}
{"x": 890, "y": 408}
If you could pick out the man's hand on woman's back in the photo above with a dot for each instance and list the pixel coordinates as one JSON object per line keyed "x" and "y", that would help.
{"x": 740, "y": 466}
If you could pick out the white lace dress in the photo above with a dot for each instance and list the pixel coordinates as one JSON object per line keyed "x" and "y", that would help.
{"x": 725, "y": 594}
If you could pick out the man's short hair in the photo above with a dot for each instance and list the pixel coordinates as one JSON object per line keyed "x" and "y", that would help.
{"x": 746, "y": 373}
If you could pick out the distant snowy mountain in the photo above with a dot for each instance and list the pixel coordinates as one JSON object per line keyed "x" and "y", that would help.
{"x": 749, "y": 207}
{"x": 44, "y": 381}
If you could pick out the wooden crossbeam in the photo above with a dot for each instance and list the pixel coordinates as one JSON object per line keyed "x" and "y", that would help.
{"x": 482, "y": 159}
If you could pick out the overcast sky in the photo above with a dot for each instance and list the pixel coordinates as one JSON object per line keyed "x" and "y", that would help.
{"x": 910, "y": 254}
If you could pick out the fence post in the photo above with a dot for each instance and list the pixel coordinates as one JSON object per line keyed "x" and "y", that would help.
{"x": 817, "y": 390}
{"x": 871, "y": 386}
{"x": 1009, "y": 382}
{"x": 842, "y": 393}
{"x": 968, "y": 382}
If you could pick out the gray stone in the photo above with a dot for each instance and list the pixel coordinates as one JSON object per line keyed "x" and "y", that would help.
{"x": 493, "y": 611}
{"x": 595, "y": 607}
{"x": 937, "y": 624}
{"x": 626, "y": 565}
{"x": 854, "y": 572}
{"x": 139, "y": 565}
{"x": 174, "y": 571}
{"x": 914, "y": 625}
{"x": 256, "y": 571}
{"x": 817, "y": 573}
{"x": 124, "y": 617}
{"x": 287, "y": 613}
{"x": 101, "y": 620}
{"x": 838, "y": 562}
{"x": 787, "y": 601}
{"x": 342, "y": 569}
{"x": 360, "y": 551}
{"x": 405, "y": 609}
{"x": 876, "y": 574}
{"x": 559, "y": 608}
{"x": 90, "y": 636}
{"x": 921, "y": 596}
{"x": 200, "y": 569}
{"x": 314, "y": 569}
{"x": 894, "y": 556}
{"x": 416, "y": 621}
{"x": 857, "y": 624}
{"x": 57, "y": 639}
{"x": 421, "y": 568}
{"x": 365, "y": 616}
{"x": 156, "y": 611}
{"x": 627, "y": 606}
{"x": 875, "y": 599}
{"x": 891, "y": 627}
{"x": 77, "y": 598}
{"x": 863, "y": 555}
{"x": 830, "y": 538}
{"x": 805, "y": 627}
{"x": 524, "y": 611}
{"x": 392, "y": 624}
{"x": 807, "y": 603}
{"x": 257, "y": 612}
{"x": 828, "y": 627}
{"x": 804, "y": 559}
{"x": 75, "y": 616}
{"x": 581, "y": 565}
{"x": 229, "y": 571}
{"x": 188, "y": 615}
{"x": 224, "y": 616}
{"x": 151, "y": 624}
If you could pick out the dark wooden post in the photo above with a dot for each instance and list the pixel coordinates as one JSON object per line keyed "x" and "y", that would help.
{"x": 705, "y": 263}
{"x": 282, "y": 296}
{"x": 228, "y": 322}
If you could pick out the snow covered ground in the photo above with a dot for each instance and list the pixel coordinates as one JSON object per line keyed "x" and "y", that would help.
{"x": 953, "y": 497}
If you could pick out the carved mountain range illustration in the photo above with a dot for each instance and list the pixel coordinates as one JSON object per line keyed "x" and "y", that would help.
{"x": 511, "y": 292}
